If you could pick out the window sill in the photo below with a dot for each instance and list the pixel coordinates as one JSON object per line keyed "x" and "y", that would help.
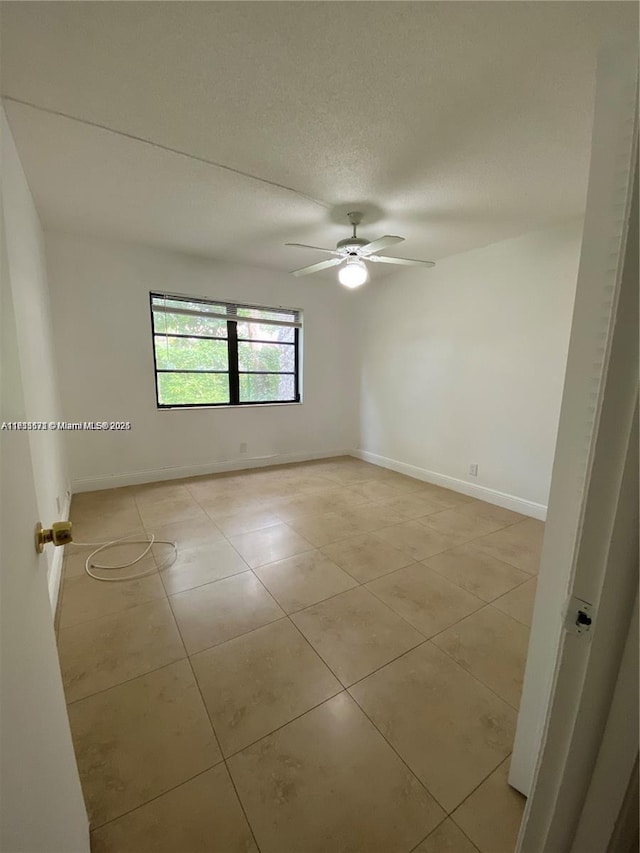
{"x": 218, "y": 408}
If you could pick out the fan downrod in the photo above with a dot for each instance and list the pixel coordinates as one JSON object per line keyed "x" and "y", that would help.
{"x": 355, "y": 218}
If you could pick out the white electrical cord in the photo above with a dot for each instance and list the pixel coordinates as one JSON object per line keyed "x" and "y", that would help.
{"x": 125, "y": 540}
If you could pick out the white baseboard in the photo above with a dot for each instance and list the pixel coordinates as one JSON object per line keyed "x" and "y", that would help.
{"x": 136, "y": 478}
{"x": 530, "y": 508}
{"x": 54, "y": 575}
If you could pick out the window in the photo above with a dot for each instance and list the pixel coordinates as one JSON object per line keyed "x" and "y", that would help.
{"x": 222, "y": 353}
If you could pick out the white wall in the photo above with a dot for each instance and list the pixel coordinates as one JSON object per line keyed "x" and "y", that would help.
{"x": 464, "y": 363}
{"x": 100, "y": 294}
{"x": 30, "y": 292}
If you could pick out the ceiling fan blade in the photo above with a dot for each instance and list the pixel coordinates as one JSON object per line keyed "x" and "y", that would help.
{"x": 315, "y": 248}
{"x": 406, "y": 261}
{"x": 323, "y": 265}
{"x": 380, "y": 243}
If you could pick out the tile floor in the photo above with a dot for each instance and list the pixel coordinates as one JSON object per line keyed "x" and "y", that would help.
{"x": 333, "y": 663}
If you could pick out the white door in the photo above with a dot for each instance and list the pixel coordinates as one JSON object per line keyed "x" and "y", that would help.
{"x": 41, "y": 804}
{"x": 590, "y": 553}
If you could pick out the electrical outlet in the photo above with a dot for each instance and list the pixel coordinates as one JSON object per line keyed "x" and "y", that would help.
{"x": 473, "y": 469}
{"x": 243, "y": 447}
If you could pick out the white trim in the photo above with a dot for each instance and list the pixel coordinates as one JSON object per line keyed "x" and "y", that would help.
{"x": 136, "y": 478}
{"x": 54, "y": 575}
{"x": 484, "y": 493}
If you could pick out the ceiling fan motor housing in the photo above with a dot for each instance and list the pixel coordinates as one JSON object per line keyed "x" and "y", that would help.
{"x": 352, "y": 243}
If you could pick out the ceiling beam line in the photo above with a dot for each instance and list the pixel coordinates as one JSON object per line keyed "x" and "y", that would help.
{"x": 168, "y": 148}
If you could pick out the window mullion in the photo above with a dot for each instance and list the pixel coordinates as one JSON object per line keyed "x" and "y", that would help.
{"x": 232, "y": 349}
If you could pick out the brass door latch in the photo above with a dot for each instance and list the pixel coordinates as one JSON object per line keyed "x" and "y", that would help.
{"x": 59, "y": 533}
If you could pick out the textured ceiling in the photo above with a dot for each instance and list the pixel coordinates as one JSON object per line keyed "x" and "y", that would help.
{"x": 453, "y": 124}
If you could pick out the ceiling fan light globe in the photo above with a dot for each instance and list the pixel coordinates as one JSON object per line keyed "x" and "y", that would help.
{"x": 353, "y": 274}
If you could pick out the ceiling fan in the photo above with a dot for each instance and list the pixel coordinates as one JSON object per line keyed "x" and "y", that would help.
{"x": 352, "y": 252}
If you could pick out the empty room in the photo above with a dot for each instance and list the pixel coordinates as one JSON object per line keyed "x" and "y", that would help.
{"x": 317, "y": 427}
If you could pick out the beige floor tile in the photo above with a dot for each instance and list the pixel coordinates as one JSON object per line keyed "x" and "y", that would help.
{"x": 198, "y": 566}
{"x": 124, "y": 755}
{"x": 337, "y": 500}
{"x": 292, "y": 506}
{"x": 258, "y": 682}
{"x": 100, "y": 525}
{"x": 86, "y": 598}
{"x": 325, "y": 466}
{"x": 304, "y": 580}
{"x": 447, "y": 498}
{"x": 492, "y": 815}
{"x": 267, "y": 473}
{"x": 447, "y": 838}
{"x": 216, "y": 486}
{"x": 424, "y": 598}
{"x": 168, "y": 510}
{"x": 417, "y": 540}
{"x": 351, "y": 475}
{"x": 324, "y": 529}
{"x": 455, "y": 499}
{"x": 271, "y": 496}
{"x": 411, "y": 505}
{"x": 332, "y": 500}
{"x": 225, "y": 505}
{"x": 476, "y": 572}
{"x": 450, "y": 729}
{"x": 188, "y": 533}
{"x": 519, "y": 544}
{"x": 366, "y": 557}
{"x": 149, "y": 494}
{"x": 354, "y": 633}
{"x": 402, "y": 482}
{"x": 376, "y": 490}
{"x": 463, "y": 526}
{"x": 74, "y": 563}
{"x": 329, "y": 782}
{"x": 104, "y": 652}
{"x": 201, "y": 816}
{"x": 211, "y": 614}
{"x": 371, "y": 516}
{"x": 311, "y": 484}
{"x": 266, "y": 546}
{"x": 106, "y": 499}
{"x": 519, "y": 602}
{"x": 492, "y": 647}
{"x": 245, "y": 522}
{"x": 492, "y": 512}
